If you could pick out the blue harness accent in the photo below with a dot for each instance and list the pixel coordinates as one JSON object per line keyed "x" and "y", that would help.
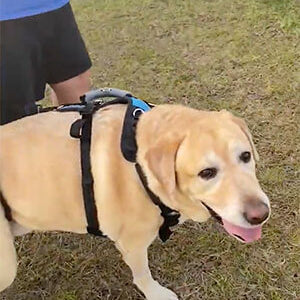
{"x": 140, "y": 104}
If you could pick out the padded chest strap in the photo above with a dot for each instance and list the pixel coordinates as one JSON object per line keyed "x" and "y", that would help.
{"x": 170, "y": 216}
{"x": 129, "y": 149}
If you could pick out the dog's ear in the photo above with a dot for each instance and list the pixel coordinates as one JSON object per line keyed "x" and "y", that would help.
{"x": 242, "y": 124}
{"x": 161, "y": 160}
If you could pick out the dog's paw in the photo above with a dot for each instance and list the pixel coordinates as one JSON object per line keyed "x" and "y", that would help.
{"x": 159, "y": 292}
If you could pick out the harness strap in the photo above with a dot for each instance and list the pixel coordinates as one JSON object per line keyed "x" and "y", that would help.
{"x": 128, "y": 141}
{"x": 82, "y": 129}
{"x": 170, "y": 216}
{"x": 7, "y": 210}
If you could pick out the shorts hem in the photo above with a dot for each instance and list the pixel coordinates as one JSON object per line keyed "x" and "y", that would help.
{"x": 70, "y": 75}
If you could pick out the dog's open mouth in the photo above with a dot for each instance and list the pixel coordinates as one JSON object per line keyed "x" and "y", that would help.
{"x": 246, "y": 235}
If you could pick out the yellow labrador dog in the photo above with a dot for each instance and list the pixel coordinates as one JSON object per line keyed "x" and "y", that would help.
{"x": 199, "y": 163}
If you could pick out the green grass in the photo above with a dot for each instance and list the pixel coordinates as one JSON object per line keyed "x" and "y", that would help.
{"x": 213, "y": 54}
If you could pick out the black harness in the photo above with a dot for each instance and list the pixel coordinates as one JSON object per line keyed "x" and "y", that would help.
{"x": 7, "y": 210}
{"x": 82, "y": 129}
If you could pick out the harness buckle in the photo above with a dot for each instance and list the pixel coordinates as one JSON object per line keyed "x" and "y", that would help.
{"x": 171, "y": 218}
{"x": 137, "y": 113}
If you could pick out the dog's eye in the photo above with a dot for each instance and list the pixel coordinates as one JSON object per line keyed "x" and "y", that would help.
{"x": 208, "y": 173}
{"x": 245, "y": 156}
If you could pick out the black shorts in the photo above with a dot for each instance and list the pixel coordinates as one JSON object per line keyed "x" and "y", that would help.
{"x": 35, "y": 50}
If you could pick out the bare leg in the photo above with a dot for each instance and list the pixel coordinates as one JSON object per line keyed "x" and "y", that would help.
{"x": 70, "y": 90}
{"x": 137, "y": 260}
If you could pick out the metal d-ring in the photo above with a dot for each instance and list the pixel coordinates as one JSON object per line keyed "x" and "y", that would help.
{"x": 137, "y": 112}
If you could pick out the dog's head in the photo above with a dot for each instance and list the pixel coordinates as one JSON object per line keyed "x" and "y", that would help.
{"x": 203, "y": 164}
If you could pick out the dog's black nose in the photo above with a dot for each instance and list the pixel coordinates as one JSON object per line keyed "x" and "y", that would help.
{"x": 256, "y": 212}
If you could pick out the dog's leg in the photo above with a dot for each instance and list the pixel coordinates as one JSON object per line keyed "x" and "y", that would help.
{"x": 8, "y": 259}
{"x": 137, "y": 259}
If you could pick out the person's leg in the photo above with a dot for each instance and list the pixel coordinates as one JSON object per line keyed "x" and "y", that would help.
{"x": 21, "y": 75}
{"x": 70, "y": 90}
{"x": 67, "y": 61}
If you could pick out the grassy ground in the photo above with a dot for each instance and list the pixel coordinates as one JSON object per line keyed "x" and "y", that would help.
{"x": 233, "y": 54}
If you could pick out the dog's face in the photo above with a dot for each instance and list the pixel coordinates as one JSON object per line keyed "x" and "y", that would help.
{"x": 209, "y": 168}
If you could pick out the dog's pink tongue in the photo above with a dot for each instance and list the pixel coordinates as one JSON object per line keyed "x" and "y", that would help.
{"x": 247, "y": 234}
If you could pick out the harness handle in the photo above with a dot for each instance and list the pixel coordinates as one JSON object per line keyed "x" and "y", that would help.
{"x": 103, "y": 93}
